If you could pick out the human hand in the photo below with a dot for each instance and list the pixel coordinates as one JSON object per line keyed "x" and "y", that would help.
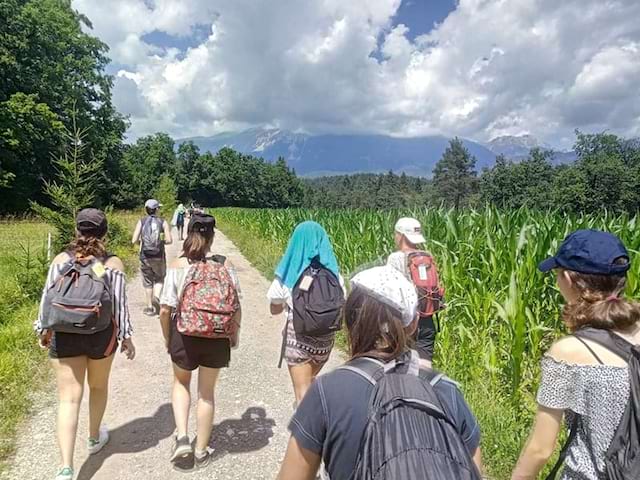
{"x": 128, "y": 348}
{"x": 44, "y": 339}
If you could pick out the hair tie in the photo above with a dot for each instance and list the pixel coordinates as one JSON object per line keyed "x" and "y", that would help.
{"x": 613, "y": 298}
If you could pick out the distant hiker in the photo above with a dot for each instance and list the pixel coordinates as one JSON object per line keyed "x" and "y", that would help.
{"x": 178, "y": 219}
{"x": 154, "y": 234}
{"x": 591, "y": 377}
{"x": 200, "y": 317}
{"x": 419, "y": 267}
{"x": 380, "y": 415}
{"x": 83, "y": 315}
{"x": 309, "y": 288}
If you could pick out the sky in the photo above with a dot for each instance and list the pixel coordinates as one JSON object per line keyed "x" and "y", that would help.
{"x": 473, "y": 68}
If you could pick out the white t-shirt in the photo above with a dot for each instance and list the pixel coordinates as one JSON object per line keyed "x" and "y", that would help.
{"x": 398, "y": 260}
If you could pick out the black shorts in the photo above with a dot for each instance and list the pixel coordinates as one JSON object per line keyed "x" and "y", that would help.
{"x": 190, "y": 353}
{"x": 96, "y": 346}
{"x": 426, "y": 337}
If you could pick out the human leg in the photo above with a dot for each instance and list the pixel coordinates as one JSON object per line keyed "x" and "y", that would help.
{"x": 426, "y": 338}
{"x": 207, "y": 379}
{"x": 98, "y": 372}
{"x": 70, "y": 373}
{"x": 301, "y": 376}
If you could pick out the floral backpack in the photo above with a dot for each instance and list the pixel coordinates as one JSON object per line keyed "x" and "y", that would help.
{"x": 209, "y": 302}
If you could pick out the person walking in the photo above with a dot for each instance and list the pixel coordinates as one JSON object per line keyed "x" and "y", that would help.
{"x": 200, "y": 317}
{"x": 83, "y": 316}
{"x": 585, "y": 378}
{"x": 153, "y": 233}
{"x": 339, "y": 421}
{"x": 419, "y": 267}
{"x": 308, "y": 267}
{"x": 178, "y": 220}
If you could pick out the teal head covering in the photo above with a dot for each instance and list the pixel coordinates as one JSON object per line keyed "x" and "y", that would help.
{"x": 308, "y": 241}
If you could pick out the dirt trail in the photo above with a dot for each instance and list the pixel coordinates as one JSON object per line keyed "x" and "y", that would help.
{"x": 253, "y": 402}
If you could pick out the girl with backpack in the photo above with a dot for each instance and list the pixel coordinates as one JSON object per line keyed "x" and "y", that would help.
{"x": 84, "y": 275}
{"x": 200, "y": 318}
{"x": 309, "y": 251}
{"x": 335, "y": 423}
{"x": 583, "y": 380}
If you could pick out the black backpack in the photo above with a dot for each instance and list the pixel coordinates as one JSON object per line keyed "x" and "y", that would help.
{"x": 408, "y": 433}
{"x": 80, "y": 300}
{"x": 151, "y": 236}
{"x": 622, "y": 460}
{"x": 317, "y": 309}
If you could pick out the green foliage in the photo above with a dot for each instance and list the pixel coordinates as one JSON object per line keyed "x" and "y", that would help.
{"x": 366, "y": 190}
{"x": 167, "y": 194}
{"x": 502, "y": 313}
{"x": 74, "y": 189}
{"x": 454, "y": 176}
{"x": 49, "y": 69}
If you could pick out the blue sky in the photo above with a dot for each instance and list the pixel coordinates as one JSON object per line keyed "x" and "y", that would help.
{"x": 492, "y": 68}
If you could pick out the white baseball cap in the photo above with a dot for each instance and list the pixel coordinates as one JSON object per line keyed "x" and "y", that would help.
{"x": 152, "y": 204}
{"x": 389, "y": 286}
{"x": 410, "y": 228}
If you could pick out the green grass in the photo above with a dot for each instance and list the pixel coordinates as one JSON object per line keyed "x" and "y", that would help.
{"x": 502, "y": 313}
{"x": 23, "y": 366}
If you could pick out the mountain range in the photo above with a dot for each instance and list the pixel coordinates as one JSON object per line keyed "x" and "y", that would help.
{"x": 318, "y": 155}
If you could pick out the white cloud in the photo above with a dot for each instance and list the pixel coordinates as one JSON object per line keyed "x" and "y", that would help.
{"x": 492, "y": 67}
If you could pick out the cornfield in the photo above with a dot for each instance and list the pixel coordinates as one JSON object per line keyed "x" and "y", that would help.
{"x": 502, "y": 314}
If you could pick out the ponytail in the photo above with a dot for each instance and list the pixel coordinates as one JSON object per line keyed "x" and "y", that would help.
{"x": 600, "y": 304}
{"x": 88, "y": 247}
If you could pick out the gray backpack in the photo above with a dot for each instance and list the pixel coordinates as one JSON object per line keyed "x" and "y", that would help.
{"x": 80, "y": 300}
{"x": 151, "y": 238}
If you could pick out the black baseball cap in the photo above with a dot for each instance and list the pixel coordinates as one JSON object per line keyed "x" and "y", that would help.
{"x": 589, "y": 251}
{"x": 201, "y": 222}
{"x": 91, "y": 221}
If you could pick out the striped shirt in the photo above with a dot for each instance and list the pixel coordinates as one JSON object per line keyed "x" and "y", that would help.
{"x": 119, "y": 297}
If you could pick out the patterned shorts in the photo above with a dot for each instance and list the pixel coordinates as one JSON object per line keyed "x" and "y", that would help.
{"x": 302, "y": 349}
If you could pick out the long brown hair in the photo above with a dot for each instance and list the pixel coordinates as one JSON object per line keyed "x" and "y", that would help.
{"x": 374, "y": 329}
{"x": 87, "y": 246}
{"x": 197, "y": 244}
{"x": 600, "y": 303}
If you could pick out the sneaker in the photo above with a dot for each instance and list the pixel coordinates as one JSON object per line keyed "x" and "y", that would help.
{"x": 94, "y": 446}
{"x": 156, "y": 305}
{"x": 65, "y": 474}
{"x": 203, "y": 459}
{"x": 181, "y": 449}
{"x": 149, "y": 311}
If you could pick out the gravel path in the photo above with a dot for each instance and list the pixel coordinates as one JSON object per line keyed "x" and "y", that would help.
{"x": 253, "y": 402}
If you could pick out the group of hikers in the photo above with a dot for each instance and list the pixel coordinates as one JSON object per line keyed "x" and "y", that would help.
{"x": 386, "y": 413}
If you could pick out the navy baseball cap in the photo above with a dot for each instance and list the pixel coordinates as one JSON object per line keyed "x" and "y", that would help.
{"x": 201, "y": 222}
{"x": 589, "y": 251}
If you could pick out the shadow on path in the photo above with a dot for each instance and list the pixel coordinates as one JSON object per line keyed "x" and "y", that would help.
{"x": 136, "y": 436}
{"x": 248, "y": 433}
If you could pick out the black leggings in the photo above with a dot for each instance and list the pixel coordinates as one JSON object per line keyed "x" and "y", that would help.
{"x": 426, "y": 338}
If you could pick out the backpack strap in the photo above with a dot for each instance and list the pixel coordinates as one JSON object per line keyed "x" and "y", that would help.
{"x": 607, "y": 339}
{"x": 367, "y": 367}
{"x": 573, "y": 431}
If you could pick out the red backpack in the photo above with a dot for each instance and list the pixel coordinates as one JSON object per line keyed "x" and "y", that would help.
{"x": 424, "y": 275}
{"x": 208, "y": 303}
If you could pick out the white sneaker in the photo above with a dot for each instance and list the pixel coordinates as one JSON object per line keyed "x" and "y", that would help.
{"x": 65, "y": 473}
{"x": 94, "y": 446}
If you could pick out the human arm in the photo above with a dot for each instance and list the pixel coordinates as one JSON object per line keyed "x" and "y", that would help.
{"x": 136, "y": 233}
{"x": 299, "y": 463}
{"x": 121, "y": 307}
{"x": 166, "y": 313}
{"x": 278, "y": 294}
{"x": 168, "y": 239}
{"x": 541, "y": 444}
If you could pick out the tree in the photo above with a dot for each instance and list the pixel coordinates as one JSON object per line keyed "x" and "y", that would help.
{"x": 74, "y": 188}
{"x": 454, "y": 176}
{"x": 166, "y": 193}
{"x": 51, "y": 74}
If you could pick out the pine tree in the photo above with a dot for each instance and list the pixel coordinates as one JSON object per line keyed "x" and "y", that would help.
{"x": 454, "y": 176}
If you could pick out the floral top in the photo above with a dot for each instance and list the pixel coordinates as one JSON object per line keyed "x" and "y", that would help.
{"x": 599, "y": 394}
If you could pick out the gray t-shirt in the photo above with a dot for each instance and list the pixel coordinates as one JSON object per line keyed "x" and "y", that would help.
{"x": 331, "y": 418}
